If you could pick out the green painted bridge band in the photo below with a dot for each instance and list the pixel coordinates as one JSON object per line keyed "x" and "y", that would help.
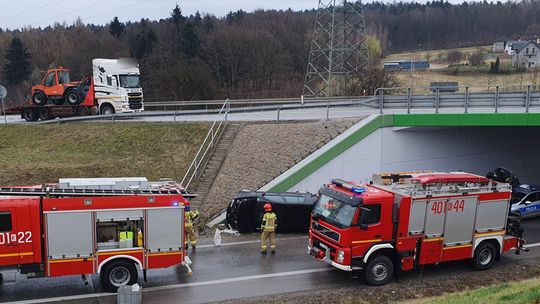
{"x": 408, "y": 120}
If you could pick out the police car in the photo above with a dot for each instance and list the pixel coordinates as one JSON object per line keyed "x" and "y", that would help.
{"x": 526, "y": 201}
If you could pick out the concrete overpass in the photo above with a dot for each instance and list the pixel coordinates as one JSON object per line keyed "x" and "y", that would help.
{"x": 474, "y": 142}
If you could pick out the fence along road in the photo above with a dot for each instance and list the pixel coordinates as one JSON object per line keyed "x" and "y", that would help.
{"x": 386, "y": 100}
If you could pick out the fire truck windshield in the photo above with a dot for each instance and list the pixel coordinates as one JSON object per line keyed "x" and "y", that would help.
{"x": 334, "y": 212}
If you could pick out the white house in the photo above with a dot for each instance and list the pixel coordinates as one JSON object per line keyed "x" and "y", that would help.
{"x": 526, "y": 55}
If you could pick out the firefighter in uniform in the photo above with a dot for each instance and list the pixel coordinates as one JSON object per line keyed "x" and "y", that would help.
{"x": 268, "y": 228}
{"x": 189, "y": 226}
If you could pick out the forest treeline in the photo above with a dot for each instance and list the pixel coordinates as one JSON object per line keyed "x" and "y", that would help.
{"x": 252, "y": 55}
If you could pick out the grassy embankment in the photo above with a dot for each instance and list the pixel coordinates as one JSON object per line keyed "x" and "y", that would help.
{"x": 477, "y": 78}
{"x": 44, "y": 153}
{"x": 523, "y": 292}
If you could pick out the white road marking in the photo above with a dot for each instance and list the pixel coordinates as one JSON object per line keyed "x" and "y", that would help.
{"x": 239, "y": 279}
{"x": 252, "y": 242}
{"x": 195, "y": 284}
{"x": 532, "y": 245}
{"x": 177, "y": 286}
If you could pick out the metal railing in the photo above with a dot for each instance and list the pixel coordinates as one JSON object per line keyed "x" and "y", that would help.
{"x": 396, "y": 99}
{"x": 213, "y": 104}
{"x": 207, "y": 145}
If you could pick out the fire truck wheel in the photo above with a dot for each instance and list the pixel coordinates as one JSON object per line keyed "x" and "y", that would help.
{"x": 379, "y": 270}
{"x": 484, "y": 256}
{"x": 118, "y": 273}
{"x": 39, "y": 98}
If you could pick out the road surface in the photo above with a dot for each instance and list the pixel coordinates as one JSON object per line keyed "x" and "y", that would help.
{"x": 233, "y": 271}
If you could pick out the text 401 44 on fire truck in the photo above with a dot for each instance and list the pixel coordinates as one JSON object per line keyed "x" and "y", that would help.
{"x": 403, "y": 221}
{"x": 51, "y": 232}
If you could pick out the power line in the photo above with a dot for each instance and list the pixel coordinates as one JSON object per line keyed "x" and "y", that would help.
{"x": 73, "y": 11}
{"x": 30, "y": 11}
{"x": 115, "y": 10}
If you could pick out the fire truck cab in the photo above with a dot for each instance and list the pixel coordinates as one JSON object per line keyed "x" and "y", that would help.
{"x": 50, "y": 232}
{"x": 403, "y": 221}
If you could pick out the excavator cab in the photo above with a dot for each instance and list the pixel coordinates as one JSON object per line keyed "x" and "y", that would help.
{"x": 57, "y": 87}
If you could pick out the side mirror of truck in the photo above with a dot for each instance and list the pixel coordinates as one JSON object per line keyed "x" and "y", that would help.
{"x": 363, "y": 213}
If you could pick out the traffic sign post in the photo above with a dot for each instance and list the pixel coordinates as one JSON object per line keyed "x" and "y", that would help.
{"x": 3, "y": 94}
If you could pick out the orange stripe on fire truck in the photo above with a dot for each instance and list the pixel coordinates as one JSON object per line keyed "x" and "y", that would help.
{"x": 119, "y": 252}
{"x": 489, "y": 233}
{"x": 16, "y": 254}
{"x": 71, "y": 260}
{"x": 165, "y": 253}
{"x": 456, "y": 247}
{"x": 367, "y": 241}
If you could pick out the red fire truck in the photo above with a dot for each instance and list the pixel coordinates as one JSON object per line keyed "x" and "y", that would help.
{"x": 405, "y": 221}
{"x": 50, "y": 232}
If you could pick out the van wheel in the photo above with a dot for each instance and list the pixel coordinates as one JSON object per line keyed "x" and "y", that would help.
{"x": 29, "y": 114}
{"x": 484, "y": 256}
{"x": 118, "y": 273}
{"x": 39, "y": 98}
{"x": 379, "y": 270}
{"x": 107, "y": 110}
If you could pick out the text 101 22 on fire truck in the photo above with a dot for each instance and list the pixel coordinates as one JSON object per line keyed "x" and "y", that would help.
{"x": 51, "y": 232}
{"x": 405, "y": 221}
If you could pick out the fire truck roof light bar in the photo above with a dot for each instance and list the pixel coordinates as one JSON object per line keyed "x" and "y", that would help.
{"x": 88, "y": 192}
{"x": 346, "y": 185}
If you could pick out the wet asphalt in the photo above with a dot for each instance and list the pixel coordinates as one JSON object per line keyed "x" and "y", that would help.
{"x": 232, "y": 271}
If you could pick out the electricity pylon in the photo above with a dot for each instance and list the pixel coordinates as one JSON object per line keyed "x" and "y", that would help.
{"x": 338, "y": 48}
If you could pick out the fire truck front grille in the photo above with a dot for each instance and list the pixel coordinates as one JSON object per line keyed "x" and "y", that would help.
{"x": 325, "y": 231}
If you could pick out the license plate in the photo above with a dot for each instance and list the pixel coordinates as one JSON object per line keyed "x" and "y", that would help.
{"x": 323, "y": 246}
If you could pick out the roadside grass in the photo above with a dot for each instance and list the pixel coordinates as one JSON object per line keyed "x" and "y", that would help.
{"x": 523, "y": 292}
{"x": 36, "y": 154}
{"x": 435, "y": 56}
{"x": 476, "y": 80}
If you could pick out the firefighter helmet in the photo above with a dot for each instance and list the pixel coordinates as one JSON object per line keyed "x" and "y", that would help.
{"x": 267, "y": 207}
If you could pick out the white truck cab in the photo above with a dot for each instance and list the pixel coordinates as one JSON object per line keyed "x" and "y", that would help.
{"x": 117, "y": 85}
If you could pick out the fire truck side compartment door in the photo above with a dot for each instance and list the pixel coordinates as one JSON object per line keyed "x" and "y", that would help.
{"x": 460, "y": 217}
{"x": 491, "y": 216}
{"x": 435, "y": 215}
{"x": 165, "y": 229}
{"x": 69, "y": 234}
{"x": 9, "y": 249}
{"x": 417, "y": 217}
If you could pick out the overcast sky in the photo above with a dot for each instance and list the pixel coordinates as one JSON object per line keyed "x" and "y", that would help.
{"x": 19, "y": 13}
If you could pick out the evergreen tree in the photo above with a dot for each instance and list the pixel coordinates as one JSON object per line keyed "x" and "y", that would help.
{"x": 177, "y": 18}
{"x": 116, "y": 28}
{"x": 17, "y": 68}
{"x": 497, "y": 66}
{"x": 190, "y": 41}
{"x": 142, "y": 44}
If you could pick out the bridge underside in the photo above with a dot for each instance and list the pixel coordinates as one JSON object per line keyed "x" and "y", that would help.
{"x": 389, "y": 144}
{"x": 471, "y": 149}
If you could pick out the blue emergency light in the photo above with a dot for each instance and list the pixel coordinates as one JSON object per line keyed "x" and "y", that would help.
{"x": 346, "y": 185}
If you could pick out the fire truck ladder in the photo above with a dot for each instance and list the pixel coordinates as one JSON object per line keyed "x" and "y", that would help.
{"x": 88, "y": 192}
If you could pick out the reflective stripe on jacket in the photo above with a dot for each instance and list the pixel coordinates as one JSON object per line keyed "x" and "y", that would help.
{"x": 269, "y": 222}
